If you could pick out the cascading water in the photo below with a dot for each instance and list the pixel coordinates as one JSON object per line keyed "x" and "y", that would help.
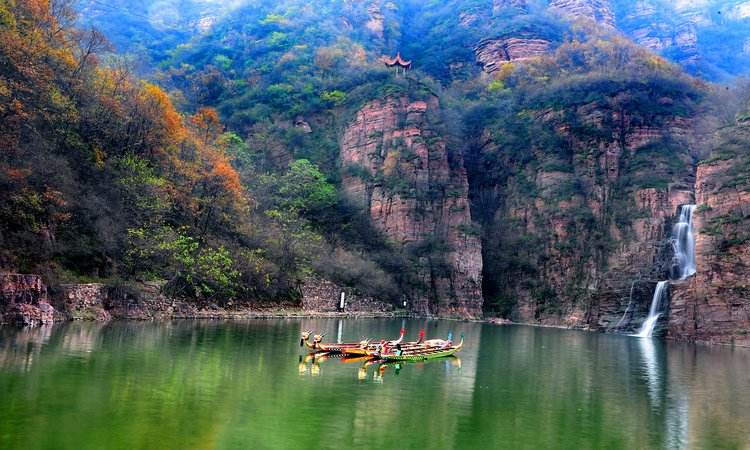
{"x": 655, "y": 311}
{"x": 627, "y": 310}
{"x": 683, "y": 241}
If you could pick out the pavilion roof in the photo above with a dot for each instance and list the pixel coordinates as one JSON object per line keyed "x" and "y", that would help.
{"x": 396, "y": 61}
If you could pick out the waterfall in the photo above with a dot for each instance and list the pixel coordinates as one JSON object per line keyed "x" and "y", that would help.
{"x": 683, "y": 242}
{"x": 630, "y": 302}
{"x": 655, "y": 311}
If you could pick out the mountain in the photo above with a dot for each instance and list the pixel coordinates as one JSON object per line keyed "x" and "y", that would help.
{"x": 529, "y": 164}
{"x": 709, "y": 38}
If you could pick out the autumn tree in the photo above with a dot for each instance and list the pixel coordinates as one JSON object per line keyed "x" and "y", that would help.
{"x": 207, "y": 123}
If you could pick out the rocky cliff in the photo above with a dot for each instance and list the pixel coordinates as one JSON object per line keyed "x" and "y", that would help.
{"x": 678, "y": 35}
{"x": 695, "y": 35}
{"x": 492, "y": 53}
{"x": 714, "y": 305}
{"x": 24, "y": 300}
{"x": 576, "y": 227}
{"x": 396, "y": 164}
{"x": 599, "y": 11}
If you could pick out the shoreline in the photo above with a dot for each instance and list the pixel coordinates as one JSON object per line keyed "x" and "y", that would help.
{"x": 282, "y": 313}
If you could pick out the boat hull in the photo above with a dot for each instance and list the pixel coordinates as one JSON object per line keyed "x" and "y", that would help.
{"x": 420, "y": 356}
{"x": 372, "y": 349}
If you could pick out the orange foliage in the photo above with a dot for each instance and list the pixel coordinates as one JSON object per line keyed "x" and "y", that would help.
{"x": 207, "y": 121}
{"x": 223, "y": 172}
{"x": 39, "y": 9}
{"x": 155, "y": 97}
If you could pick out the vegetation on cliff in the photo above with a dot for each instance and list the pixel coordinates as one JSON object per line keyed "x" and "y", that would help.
{"x": 223, "y": 176}
{"x": 101, "y": 177}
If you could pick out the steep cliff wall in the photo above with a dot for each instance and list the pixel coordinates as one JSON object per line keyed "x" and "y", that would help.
{"x": 646, "y": 23}
{"x": 491, "y": 54}
{"x": 395, "y": 164}
{"x": 599, "y": 11}
{"x": 577, "y": 224}
{"x": 714, "y": 305}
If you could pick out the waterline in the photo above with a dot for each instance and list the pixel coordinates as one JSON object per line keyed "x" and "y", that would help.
{"x": 655, "y": 311}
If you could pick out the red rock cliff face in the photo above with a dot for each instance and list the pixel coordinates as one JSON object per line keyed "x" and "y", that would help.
{"x": 24, "y": 300}
{"x": 491, "y": 54}
{"x": 399, "y": 168}
{"x": 573, "y": 233}
{"x": 714, "y": 305}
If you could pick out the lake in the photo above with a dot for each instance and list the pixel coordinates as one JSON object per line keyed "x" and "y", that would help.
{"x": 205, "y": 385}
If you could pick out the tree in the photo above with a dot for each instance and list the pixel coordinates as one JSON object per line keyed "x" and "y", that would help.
{"x": 304, "y": 189}
{"x": 206, "y": 121}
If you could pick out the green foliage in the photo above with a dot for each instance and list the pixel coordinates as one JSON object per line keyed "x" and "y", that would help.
{"x": 273, "y": 19}
{"x": 495, "y": 86}
{"x": 222, "y": 62}
{"x": 470, "y": 229}
{"x": 303, "y": 189}
{"x": 199, "y": 271}
{"x": 334, "y": 97}
{"x": 107, "y": 177}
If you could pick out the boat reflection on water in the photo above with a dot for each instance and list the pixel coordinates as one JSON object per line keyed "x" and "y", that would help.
{"x": 312, "y": 362}
{"x": 449, "y": 362}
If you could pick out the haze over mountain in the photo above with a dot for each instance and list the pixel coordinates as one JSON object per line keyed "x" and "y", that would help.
{"x": 710, "y": 38}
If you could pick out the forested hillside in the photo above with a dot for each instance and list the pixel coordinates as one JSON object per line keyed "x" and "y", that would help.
{"x": 529, "y": 164}
{"x": 103, "y": 179}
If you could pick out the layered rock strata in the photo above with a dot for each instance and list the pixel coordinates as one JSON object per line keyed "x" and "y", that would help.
{"x": 491, "y": 54}
{"x": 578, "y": 240}
{"x": 599, "y": 11}
{"x": 714, "y": 305}
{"x": 396, "y": 165}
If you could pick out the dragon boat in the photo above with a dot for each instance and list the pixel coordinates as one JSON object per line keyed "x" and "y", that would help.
{"x": 319, "y": 346}
{"x": 368, "y": 348}
{"x": 422, "y": 354}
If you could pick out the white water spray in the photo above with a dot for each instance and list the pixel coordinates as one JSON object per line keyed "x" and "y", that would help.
{"x": 683, "y": 242}
{"x": 655, "y": 311}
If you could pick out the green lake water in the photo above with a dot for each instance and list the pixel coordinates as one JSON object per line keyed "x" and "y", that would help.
{"x": 205, "y": 385}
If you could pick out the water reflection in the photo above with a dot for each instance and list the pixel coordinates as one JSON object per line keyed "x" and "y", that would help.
{"x": 248, "y": 384}
{"x": 19, "y": 349}
{"x": 651, "y": 371}
{"x": 668, "y": 401}
{"x": 311, "y": 364}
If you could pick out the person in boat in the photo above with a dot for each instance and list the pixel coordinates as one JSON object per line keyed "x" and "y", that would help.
{"x": 449, "y": 342}
{"x": 441, "y": 343}
{"x": 398, "y": 350}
